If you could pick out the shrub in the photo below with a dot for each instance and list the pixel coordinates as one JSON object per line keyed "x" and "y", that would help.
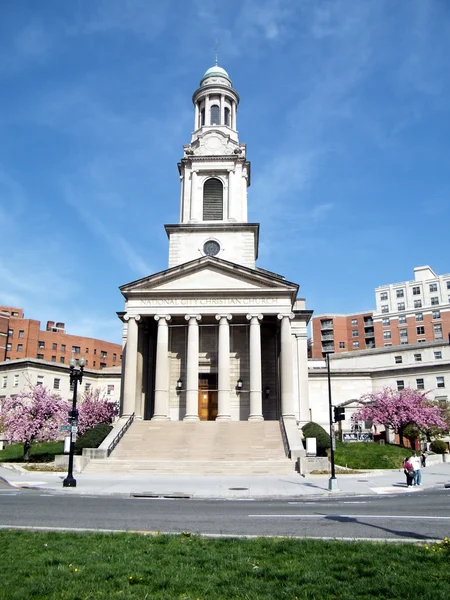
{"x": 92, "y": 438}
{"x": 314, "y": 430}
{"x": 438, "y": 446}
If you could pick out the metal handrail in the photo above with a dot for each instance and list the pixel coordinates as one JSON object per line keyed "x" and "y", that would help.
{"x": 284, "y": 437}
{"x": 120, "y": 434}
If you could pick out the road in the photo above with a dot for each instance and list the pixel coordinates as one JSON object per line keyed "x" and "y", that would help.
{"x": 422, "y": 516}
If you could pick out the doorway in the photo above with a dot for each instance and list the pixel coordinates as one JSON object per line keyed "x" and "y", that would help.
{"x": 207, "y": 396}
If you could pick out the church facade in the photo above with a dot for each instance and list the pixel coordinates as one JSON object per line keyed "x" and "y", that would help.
{"x": 214, "y": 337}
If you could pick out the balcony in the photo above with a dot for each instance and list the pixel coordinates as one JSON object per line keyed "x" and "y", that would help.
{"x": 368, "y": 323}
{"x": 369, "y": 334}
{"x": 327, "y": 336}
{"x": 326, "y": 325}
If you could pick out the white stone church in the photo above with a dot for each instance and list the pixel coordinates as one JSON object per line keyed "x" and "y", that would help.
{"x": 215, "y": 337}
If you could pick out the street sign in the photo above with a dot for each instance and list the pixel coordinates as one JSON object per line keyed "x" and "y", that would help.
{"x": 74, "y": 429}
{"x": 65, "y": 428}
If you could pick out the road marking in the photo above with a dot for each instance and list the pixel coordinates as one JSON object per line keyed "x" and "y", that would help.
{"x": 418, "y": 517}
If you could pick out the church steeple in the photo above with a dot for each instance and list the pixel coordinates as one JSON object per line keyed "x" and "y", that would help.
{"x": 214, "y": 177}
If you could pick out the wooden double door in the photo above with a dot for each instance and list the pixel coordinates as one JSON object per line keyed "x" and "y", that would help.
{"x": 207, "y": 396}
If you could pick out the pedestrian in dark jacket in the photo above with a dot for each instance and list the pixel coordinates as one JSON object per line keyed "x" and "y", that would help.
{"x": 408, "y": 470}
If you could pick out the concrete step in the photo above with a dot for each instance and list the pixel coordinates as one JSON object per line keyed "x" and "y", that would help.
{"x": 202, "y": 447}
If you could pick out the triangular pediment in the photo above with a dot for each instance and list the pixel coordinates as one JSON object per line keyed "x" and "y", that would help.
{"x": 209, "y": 274}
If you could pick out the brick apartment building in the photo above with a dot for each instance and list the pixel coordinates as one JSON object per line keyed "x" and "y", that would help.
{"x": 408, "y": 312}
{"x": 24, "y": 338}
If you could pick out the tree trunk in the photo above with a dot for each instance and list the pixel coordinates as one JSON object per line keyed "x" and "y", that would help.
{"x": 26, "y": 451}
{"x": 400, "y": 433}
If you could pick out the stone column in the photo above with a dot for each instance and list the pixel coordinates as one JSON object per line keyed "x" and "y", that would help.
{"x": 197, "y": 122}
{"x": 255, "y": 369}
{"x": 194, "y": 205}
{"x": 130, "y": 370}
{"x": 161, "y": 411}
{"x": 287, "y": 375}
{"x": 222, "y": 111}
{"x": 139, "y": 374}
{"x": 233, "y": 115}
{"x": 223, "y": 413}
{"x": 192, "y": 368}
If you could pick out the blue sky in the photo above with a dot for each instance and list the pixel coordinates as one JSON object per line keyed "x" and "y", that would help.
{"x": 344, "y": 109}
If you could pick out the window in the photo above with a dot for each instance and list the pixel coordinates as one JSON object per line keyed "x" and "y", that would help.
{"x": 441, "y": 398}
{"x": 403, "y": 333}
{"x": 54, "y": 346}
{"x": 418, "y": 357}
{"x": 8, "y": 346}
{"x": 386, "y": 345}
{"x": 440, "y": 381}
{"x": 19, "y": 347}
{"x": 448, "y": 284}
{"x": 10, "y": 332}
{"x": 433, "y": 287}
{"x": 87, "y": 350}
{"x": 398, "y": 359}
{"x": 227, "y": 116}
{"x": 354, "y": 322}
{"x": 384, "y": 308}
{"x": 40, "y": 356}
{"x": 16, "y": 381}
{"x": 53, "y": 358}
{"x": 213, "y": 200}
{"x": 4, "y": 381}
{"x": 110, "y": 389}
{"x": 416, "y": 290}
{"x": 202, "y": 117}
{"x": 115, "y": 355}
{"x": 75, "y": 349}
{"x": 400, "y": 293}
{"x": 62, "y": 360}
{"x": 341, "y": 344}
{"x": 419, "y": 317}
{"x": 56, "y": 383}
{"x": 102, "y": 365}
{"x": 87, "y": 387}
{"x": 355, "y": 344}
{"x": 386, "y": 322}
{"x": 417, "y": 303}
{"x": 14, "y": 314}
{"x": 420, "y": 330}
{"x": 437, "y": 330}
{"x": 420, "y": 384}
{"x": 436, "y": 314}
{"x": 40, "y": 380}
{"x": 355, "y": 333}
{"x": 21, "y": 333}
{"x": 72, "y": 387}
{"x": 63, "y": 347}
{"x": 386, "y": 335}
{"x": 103, "y": 354}
{"x": 95, "y": 351}
{"x": 437, "y": 354}
{"x": 383, "y": 296}
{"x": 434, "y": 301}
{"x": 402, "y": 320}
{"x": 94, "y": 363}
{"x": 215, "y": 114}
{"x": 41, "y": 345}
{"x": 422, "y": 341}
{"x": 400, "y": 385}
{"x": 401, "y": 306}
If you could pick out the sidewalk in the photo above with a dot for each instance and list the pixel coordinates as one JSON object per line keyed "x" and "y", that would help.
{"x": 229, "y": 487}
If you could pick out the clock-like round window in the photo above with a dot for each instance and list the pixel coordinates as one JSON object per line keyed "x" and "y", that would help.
{"x": 211, "y": 248}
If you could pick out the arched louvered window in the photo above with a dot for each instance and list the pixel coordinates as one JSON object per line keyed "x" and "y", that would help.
{"x": 202, "y": 117}
{"x": 215, "y": 115}
{"x": 227, "y": 116}
{"x": 213, "y": 200}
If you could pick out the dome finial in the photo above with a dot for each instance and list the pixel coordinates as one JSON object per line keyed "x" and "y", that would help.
{"x": 216, "y": 49}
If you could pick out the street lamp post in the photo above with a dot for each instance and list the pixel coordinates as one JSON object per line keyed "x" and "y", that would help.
{"x": 76, "y": 375}
{"x": 332, "y": 483}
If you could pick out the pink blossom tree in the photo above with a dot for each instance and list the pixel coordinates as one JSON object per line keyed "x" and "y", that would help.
{"x": 397, "y": 409}
{"x": 34, "y": 415}
{"x": 94, "y": 409}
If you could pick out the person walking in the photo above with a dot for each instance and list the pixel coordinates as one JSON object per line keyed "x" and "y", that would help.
{"x": 416, "y": 463}
{"x": 408, "y": 470}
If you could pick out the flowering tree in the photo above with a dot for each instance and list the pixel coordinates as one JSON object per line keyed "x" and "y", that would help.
{"x": 34, "y": 415}
{"x": 93, "y": 409}
{"x": 397, "y": 409}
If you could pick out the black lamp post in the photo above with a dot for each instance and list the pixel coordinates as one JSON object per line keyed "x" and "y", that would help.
{"x": 332, "y": 483}
{"x": 76, "y": 375}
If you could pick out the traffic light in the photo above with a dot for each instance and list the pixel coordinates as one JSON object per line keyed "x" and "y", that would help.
{"x": 339, "y": 413}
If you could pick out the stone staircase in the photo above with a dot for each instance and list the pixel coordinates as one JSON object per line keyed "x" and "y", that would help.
{"x": 199, "y": 448}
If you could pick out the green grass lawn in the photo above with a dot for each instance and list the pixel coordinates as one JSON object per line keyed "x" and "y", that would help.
{"x": 368, "y": 455}
{"x": 40, "y": 452}
{"x": 55, "y": 566}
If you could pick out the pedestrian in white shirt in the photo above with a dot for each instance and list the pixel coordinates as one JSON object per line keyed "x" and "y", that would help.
{"x": 416, "y": 463}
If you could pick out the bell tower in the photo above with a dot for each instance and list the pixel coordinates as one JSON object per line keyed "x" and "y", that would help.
{"x": 214, "y": 177}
